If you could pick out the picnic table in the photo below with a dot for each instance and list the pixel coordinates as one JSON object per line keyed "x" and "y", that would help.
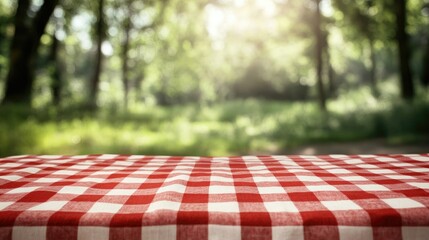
{"x": 242, "y": 197}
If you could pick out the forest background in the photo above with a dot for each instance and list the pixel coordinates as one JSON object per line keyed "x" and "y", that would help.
{"x": 214, "y": 77}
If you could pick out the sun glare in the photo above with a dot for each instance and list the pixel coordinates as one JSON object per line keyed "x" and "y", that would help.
{"x": 238, "y": 16}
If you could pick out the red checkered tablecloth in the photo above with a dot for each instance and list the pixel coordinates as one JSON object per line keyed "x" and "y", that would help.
{"x": 268, "y": 197}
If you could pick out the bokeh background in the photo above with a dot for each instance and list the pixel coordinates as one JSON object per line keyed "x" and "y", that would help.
{"x": 214, "y": 77}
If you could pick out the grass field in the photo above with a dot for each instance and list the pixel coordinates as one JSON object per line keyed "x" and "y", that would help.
{"x": 232, "y": 128}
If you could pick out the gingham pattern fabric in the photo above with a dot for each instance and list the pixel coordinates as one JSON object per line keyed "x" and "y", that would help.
{"x": 227, "y": 198}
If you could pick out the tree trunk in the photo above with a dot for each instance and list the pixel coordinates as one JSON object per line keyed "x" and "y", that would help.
{"x": 373, "y": 70}
{"x": 100, "y": 35}
{"x": 23, "y": 50}
{"x": 138, "y": 84}
{"x": 57, "y": 82}
{"x": 425, "y": 66}
{"x": 125, "y": 58}
{"x": 330, "y": 73}
{"x": 319, "y": 57}
{"x": 407, "y": 86}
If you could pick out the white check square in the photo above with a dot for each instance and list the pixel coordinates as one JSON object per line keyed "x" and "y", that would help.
{"x": 353, "y": 178}
{"x": 80, "y": 166}
{"x": 265, "y": 179}
{"x": 340, "y": 205}
{"x": 29, "y": 170}
{"x": 48, "y": 180}
{"x": 288, "y": 163}
{"x": 221, "y": 232}
{"x": 251, "y": 158}
{"x": 221, "y": 189}
{"x": 143, "y": 172}
{"x": 73, "y": 190}
{"x": 420, "y": 158}
{"x": 257, "y": 167}
{"x": 338, "y": 171}
{"x": 386, "y": 159}
{"x": 309, "y": 157}
{"x": 10, "y": 177}
{"x": 92, "y": 233}
{"x": 220, "y": 179}
{"x": 102, "y": 172}
{"x": 321, "y": 188}
{"x": 121, "y": 192}
{"x": 102, "y": 207}
{"x": 353, "y": 161}
{"x": 22, "y": 190}
{"x": 400, "y": 177}
{"x": 163, "y": 205}
{"x": 133, "y": 180}
{"x": 114, "y": 168}
{"x": 283, "y": 206}
{"x": 381, "y": 171}
{"x": 49, "y": 206}
{"x": 79, "y": 156}
{"x": 107, "y": 156}
{"x": 421, "y": 232}
{"x": 28, "y": 232}
{"x": 124, "y": 163}
{"x": 65, "y": 172}
{"x": 10, "y": 165}
{"x": 402, "y": 164}
{"x": 367, "y": 166}
{"x": 372, "y": 187}
{"x": 177, "y": 177}
{"x": 402, "y": 203}
{"x": 420, "y": 185}
{"x": 223, "y": 207}
{"x": 59, "y": 161}
{"x": 288, "y": 232}
{"x": 179, "y": 188}
{"x": 322, "y": 163}
{"x": 355, "y": 233}
{"x": 298, "y": 170}
{"x": 309, "y": 178}
{"x": 92, "y": 180}
{"x": 419, "y": 169}
{"x": 187, "y": 172}
{"x": 4, "y": 205}
{"x": 330, "y": 166}
{"x": 167, "y": 232}
{"x": 183, "y": 167}
{"x": 271, "y": 190}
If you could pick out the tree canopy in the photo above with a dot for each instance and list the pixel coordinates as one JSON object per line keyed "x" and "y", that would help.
{"x": 166, "y": 52}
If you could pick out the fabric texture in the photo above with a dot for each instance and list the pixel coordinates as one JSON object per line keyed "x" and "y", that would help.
{"x": 250, "y": 197}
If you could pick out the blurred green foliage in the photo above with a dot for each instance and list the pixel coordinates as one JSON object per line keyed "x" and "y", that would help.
{"x": 209, "y": 51}
{"x": 217, "y": 78}
{"x": 230, "y": 128}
